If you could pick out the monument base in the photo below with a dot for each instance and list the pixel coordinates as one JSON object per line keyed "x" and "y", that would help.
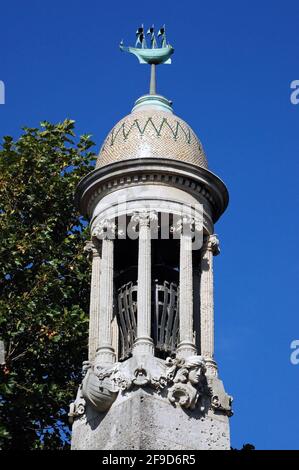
{"x": 143, "y": 420}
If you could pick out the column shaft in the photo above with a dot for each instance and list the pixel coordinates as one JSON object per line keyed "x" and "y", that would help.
{"x": 207, "y": 304}
{"x": 186, "y": 346}
{"x": 105, "y": 352}
{"x": 94, "y": 310}
{"x": 144, "y": 342}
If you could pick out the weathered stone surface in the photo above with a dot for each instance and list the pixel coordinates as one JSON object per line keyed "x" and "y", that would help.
{"x": 142, "y": 420}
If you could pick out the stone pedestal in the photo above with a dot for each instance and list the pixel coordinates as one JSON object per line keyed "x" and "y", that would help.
{"x": 143, "y": 420}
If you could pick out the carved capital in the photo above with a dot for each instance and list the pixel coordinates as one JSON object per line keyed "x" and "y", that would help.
{"x": 212, "y": 244}
{"x": 92, "y": 248}
{"x": 186, "y": 225}
{"x": 144, "y": 218}
{"x": 105, "y": 230}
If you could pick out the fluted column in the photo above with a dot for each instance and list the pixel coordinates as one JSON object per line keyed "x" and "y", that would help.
{"x": 186, "y": 346}
{"x": 209, "y": 249}
{"x": 93, "y": 250}
{"x": 105, "y": 353}
{"x": 144, "y": 343}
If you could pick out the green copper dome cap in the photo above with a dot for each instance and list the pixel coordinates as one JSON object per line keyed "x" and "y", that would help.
{"x": 156, "y": 102}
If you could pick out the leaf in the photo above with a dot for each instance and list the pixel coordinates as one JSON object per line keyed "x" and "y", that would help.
{"x": 43, "y": 301}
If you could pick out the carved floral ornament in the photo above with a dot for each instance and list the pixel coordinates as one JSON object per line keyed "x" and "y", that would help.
{"x": 181, "y": 381}
{"x": 108, "y": 229}
{"x": 144, "y": 218}
{"x": 105, "y": 229}
{"x": 187, "y": 225}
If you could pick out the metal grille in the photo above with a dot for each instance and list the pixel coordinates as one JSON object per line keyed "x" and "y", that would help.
{"x": 127, "y": 318}
{"x": 166, "y": 325}
{"x": 165, "y": 317}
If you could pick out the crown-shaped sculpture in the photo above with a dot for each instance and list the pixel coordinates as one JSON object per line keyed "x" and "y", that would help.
{"x": 153, "y": 55}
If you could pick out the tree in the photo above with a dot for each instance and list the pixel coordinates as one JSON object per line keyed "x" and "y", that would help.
{"x": 44, "y": 283}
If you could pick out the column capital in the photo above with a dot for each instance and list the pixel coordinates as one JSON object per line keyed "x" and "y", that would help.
{"x": 144, "y": 218}
{"x": 92, "y": 248}
{"x": 186, "y": 225}
{"x": 212, "y": 244}
{"x": 105, "y": 229}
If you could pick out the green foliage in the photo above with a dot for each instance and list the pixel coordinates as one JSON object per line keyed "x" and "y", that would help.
{"x": 44, "y": 283}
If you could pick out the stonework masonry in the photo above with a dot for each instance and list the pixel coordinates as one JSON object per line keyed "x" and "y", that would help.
{"x": 151, "y": 379}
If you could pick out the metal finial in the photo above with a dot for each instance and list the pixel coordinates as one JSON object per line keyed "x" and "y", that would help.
{"x": 154, "y": 55}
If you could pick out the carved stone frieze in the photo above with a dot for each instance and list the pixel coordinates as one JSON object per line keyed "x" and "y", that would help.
{"x": 181, "y": 381}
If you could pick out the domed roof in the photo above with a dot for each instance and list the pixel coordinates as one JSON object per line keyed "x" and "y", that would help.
{"x": 152, "y": 131}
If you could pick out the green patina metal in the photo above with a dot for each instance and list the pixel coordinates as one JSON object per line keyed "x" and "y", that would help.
{"x": 153, "y": 55}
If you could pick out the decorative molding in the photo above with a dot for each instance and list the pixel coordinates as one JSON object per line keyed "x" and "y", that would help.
{"x": 186, "y": 225}
{"x": 92, "y": 248}
{"x": 188, "y": 382}
{"x": 104, "y": 230}
{"x": 181, "y": 381}
{"x": 195, "y": 180}
{"x": 77, "y": 408}
{"x": 156, "y": 125}
{"x": 212, "y": 244}
{"x": 220, "y": 401}
{"x": 144, "y": 218}
{"x": 148, "y": 178}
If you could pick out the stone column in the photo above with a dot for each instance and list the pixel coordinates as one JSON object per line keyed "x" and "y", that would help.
{"x": 144, "y": 343}
{"x": 93, "y": 250}
{"x": 105, "y": 353}
{"x": 186, "y": 346}
{"x": 209, "y": 249}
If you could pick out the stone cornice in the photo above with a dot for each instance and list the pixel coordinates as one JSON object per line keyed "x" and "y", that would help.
{"x": 195, "y": 180}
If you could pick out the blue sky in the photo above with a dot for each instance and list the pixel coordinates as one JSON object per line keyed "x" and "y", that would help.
{"x": 230, "y": 80}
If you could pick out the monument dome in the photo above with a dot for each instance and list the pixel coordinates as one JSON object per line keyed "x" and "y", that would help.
{"x": 152, "y": 130}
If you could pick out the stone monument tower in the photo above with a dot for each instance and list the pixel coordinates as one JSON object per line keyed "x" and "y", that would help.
{"x": 151, "y": 380}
